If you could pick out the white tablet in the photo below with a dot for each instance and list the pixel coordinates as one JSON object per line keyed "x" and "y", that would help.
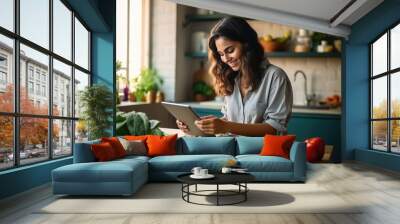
{"x": 185, "y": 114}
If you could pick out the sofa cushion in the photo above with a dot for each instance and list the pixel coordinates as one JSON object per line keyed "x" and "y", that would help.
{"x": 116, "y": 145}
{"x": 135, "y": 137}
{"x": 257, "y": 163}
{"x": 185, "y": 163}
{"x": 134, "y": 147}
{"x": 206, "y": 145}
{"x": 83, "y": 152}
{"x": 161, "y": 145}
{"x": 111, "y": 171}
{"x": 132, "y": 158}
{"x": 103, "y": 152}
{"x": 275, "y": 145}
{"x": 249, "y": 145}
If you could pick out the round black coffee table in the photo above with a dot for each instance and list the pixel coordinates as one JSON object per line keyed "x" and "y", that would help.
{"x": 238, "y": 179}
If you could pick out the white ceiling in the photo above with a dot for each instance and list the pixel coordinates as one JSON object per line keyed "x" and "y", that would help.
{"x": 314, "y": 15}
{"x": 320, "y": 9}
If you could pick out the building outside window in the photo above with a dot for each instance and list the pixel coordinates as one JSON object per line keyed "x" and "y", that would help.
{"x": 44, "y": 91}
{"x": 384, "y": 91}
{"x": 3, "y": 81}
{"x": 38, "y": 89}
{"x": 3, "y": 72}
{"x": 30, "y": 72}
{"x": 30, "y": 87}
{"x": 59, "y": 127}
{"x": 43, "y": 77}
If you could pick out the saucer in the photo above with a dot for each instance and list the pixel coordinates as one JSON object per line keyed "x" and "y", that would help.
{"x": 208, "y": 176}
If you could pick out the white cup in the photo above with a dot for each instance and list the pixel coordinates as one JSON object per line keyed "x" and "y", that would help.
{"x": 226, "y": 170}
{"x": 196, "y": 171}
{"x": 203, "y": 172}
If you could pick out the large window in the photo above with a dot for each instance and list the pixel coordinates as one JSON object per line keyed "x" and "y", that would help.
{"x": 44, "y": 63}
{"x": 385, "y": 92}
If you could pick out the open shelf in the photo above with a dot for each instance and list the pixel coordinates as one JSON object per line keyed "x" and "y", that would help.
{"x": 203, "y": 18}
{"x": 193, "y": 18}
{"x": 278, "y": 54}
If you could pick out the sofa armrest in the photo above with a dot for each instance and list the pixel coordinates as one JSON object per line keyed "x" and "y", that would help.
{"x": 83, "y": 152}
{"x": 298, "y": 157}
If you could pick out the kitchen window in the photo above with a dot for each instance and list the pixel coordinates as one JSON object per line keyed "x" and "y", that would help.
{"x": 132, "y": 45}
{"x": 384, "y": 92}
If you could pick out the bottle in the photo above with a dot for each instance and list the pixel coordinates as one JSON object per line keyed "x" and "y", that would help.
{"x": 126, "y": 93}
{"x": 303, "y": 41}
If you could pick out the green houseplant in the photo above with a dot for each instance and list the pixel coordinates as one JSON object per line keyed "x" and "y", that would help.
{"x": 96, "y": 102}
{"x": 136, "y": 123}
{"x": 148, "y": 83}
{"x": 202, "y": 91}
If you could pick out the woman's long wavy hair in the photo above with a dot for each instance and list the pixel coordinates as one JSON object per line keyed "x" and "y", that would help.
{"x": 235, "y": 29}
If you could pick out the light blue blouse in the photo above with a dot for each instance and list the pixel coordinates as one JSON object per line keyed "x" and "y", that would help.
{"x": 270, "y": 103}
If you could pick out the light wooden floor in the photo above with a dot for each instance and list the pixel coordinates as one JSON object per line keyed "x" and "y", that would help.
{"x": 378, "y": 189}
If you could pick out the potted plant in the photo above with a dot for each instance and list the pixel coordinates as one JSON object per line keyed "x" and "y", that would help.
{"x": 202, "y": 91}
{"x": 136, "y": 123}
{"x": 96, "y": 102}
{"x": 148, "y": 83}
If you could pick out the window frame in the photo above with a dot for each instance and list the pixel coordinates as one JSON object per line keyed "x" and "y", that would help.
{"x": 388, "y": 74}
{"x": 16, "y": 114}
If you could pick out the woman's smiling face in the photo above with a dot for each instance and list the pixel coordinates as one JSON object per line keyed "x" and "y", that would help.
{"x": 230, "y": 52}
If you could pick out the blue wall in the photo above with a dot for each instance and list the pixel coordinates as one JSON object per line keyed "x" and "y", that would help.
{"x": 99, "y": 15}
{"x": 356, "y": 85}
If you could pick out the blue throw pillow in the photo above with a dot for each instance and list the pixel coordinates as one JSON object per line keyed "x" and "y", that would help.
{"x": 249, "y": 145}
{"x": 206, "y": 145}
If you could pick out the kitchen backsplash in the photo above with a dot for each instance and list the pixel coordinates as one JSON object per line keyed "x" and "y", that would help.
{"x": 323, "y": 76}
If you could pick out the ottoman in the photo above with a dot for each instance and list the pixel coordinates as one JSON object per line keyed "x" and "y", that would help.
{"x": 119, "y": 177}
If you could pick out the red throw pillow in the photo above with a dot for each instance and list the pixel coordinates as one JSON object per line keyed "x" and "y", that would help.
{"x": 116, "y": 145}
{"x": 135, "y": 137}
{"x": 275, "y": 145}
{"x": 103, "y": 151}
{"x": 161, "y": 145}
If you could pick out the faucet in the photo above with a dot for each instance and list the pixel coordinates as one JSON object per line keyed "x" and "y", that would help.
{"x": 308, "y": 98}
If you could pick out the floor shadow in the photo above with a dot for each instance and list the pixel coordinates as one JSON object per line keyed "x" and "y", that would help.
{"x": 255, "y": 198}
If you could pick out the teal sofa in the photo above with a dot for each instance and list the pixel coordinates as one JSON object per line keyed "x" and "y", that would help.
{"x": 125, "y": 176}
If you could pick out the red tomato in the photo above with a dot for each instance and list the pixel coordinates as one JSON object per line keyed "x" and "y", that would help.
{"x": 315, "y": 149}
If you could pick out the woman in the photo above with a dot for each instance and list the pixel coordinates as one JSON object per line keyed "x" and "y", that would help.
{"x": 258, "y": 96}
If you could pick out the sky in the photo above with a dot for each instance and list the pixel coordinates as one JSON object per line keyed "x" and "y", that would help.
{"x": 35, "y": 27}
{"x": 379, "y": 60}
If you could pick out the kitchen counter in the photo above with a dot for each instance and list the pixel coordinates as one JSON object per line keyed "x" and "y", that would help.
{"x": 216, "y": 105}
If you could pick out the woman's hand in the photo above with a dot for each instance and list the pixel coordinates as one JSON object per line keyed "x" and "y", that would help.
{"x": 211, "y": 125}
{"x": 182, "y": 126}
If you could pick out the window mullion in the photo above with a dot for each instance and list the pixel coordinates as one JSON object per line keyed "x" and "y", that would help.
{"x": 371, "y": 89}
{"x": 389, "y": 106}
{"x": 16, "y": 84}
{"x": 50, "y": 81}
{"x": 73, "y": 82}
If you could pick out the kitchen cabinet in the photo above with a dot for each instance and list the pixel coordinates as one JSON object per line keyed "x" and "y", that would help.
{"x": 305, "y": 125}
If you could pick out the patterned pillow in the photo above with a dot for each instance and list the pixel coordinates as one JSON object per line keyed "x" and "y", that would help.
{"x": 134, "y": 147}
